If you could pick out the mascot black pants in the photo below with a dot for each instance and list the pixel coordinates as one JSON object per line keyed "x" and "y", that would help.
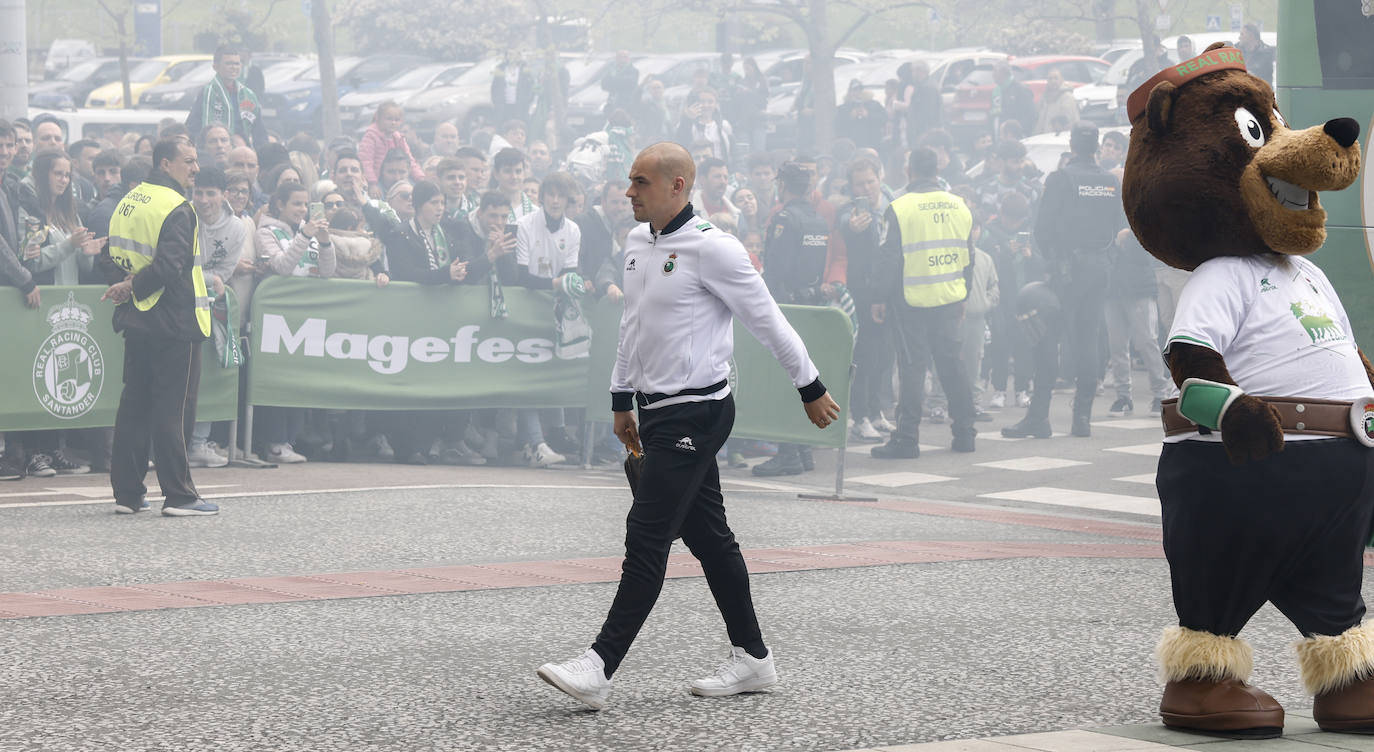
{"x": 678, "y": 494}
{"x": 1289, "y": 529}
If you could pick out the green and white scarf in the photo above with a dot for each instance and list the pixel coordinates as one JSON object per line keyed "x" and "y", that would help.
{"x": 221, "y": 109}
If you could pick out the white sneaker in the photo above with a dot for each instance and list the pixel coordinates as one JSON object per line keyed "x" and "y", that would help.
{"x": 1022, "y": 399}
{"x": 864, "y": 431}
{"x": 884, "y": 425}
{"x": 217, "y": 449}
{"x": 283, "y": 454}
{"x": 582, "y": 678}
{"x": 542, "y": 456}
{"x": 201, "y": 455}
{"x": 741, "y": 672}
{"x": 998, "y": 400}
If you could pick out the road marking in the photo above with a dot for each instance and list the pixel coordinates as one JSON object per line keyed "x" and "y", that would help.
{"x": 864, "y": 448}
{"x": 1145, "y": 450}
{"x": 1144, "y": 478}
{"x": 1030, "y": 464}
{"x": 761, "y": 487}
{"x": 990, "y": 436}
{"x": 1067, "y": 497}
{"x": 1129, "y": 423}
{"x": 103, "y": 492}
{"x": 896, "y": 480}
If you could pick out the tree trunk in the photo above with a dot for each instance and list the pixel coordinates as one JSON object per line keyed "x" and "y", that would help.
{"x": 329, "y": 89}
{"x": 822, "y": 75}
{"x": 1105, "y": 26}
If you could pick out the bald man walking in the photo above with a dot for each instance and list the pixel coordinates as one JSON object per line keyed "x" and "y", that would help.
{"x": 684, "y": 279}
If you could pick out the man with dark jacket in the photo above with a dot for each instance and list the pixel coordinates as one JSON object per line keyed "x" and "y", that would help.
{"x": 1079, "y": 217}
{"x": 794, "y": 256}
{"x": 621, "y": 84}
{"x": 163, "y": 309}
{"x": 1133, "y": 321}
{"x": 228, "y": 102}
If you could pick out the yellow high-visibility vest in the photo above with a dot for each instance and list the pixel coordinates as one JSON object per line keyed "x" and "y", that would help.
{"x": 935, "y": 227}
{"x": 134, "y": 230}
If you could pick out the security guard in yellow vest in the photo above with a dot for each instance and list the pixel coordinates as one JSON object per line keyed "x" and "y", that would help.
{"x": 927, "y": 251}
{"x": 164, "y": 312}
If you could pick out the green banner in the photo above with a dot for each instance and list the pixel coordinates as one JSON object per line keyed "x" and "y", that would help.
{"x": 65, "y": 364}
{"x": 345, "y": 344}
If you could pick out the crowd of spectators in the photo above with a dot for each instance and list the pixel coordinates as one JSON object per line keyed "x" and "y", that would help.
{"x": 494, "y": 208}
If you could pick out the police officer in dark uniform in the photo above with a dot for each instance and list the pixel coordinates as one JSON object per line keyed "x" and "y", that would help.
{"x": 794, "y": 268}
{"x": 1079, "y": 217}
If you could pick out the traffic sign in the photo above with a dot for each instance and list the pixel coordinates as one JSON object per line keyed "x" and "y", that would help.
{"x": 1213, "y": 23}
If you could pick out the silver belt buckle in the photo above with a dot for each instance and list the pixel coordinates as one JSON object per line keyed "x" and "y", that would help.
{"x": 1362, "y": 420}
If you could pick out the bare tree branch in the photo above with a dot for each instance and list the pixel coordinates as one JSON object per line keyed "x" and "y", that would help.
{"x": 265, "y": 16}
{"x": 789, "y": 12}
{"x": 870, "y": 14}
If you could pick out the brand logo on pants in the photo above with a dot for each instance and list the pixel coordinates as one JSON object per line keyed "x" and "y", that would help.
{"x": 686, "y": 445}
{"x": 69, "y": 369}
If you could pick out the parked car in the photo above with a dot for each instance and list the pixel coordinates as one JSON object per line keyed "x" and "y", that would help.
{"x": 73, "y": 85}
{"x": 675, "y": 70}
{"x": 178, "y": 95}
{"x": 947, "y": 69}
{"x": 1045, "y": 150}
{"x": 356, "y": 109}
{"x": 973, "y": 95}
{"x": 1105, "y": 102}
{"x": 466, "y": 101}
{"x": 159, "y": 70}
{"x": 294, "y": 105}
{"x": 64, "y": 53}
{"x": 182, "y": 93}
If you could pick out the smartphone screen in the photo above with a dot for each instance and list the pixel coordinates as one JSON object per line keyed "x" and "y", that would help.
{"x": 316, "y": 211}
{"x": 511, "y": 230}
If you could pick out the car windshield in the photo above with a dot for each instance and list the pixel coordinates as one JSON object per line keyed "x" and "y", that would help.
{"x": 81, "y": 71}
{"x": 416, "y": 78}
{"x": 201, "y": 74}
{"x": 342, "y": 66}
{"x": 147, "y": 71}
{"x": 284, "y": 71}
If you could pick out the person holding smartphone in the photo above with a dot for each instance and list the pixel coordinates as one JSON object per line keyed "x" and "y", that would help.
{"x": 859, "y": 229}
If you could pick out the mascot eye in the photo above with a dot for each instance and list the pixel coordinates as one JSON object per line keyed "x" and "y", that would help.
{"x": 1250, "y": 129}
{"x": 1278, "y": 118}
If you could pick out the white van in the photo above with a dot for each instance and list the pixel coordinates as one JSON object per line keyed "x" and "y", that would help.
{"x": 92, "y": 123}
{"x": 64, "y": 53}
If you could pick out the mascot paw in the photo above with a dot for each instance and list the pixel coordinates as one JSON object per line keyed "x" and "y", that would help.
{"x": 1251, "y": 430}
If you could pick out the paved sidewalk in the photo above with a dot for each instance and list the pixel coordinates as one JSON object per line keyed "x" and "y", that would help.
{"x": 1300, "y": 734}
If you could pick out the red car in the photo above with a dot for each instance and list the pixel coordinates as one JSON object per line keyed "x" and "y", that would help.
{"x": 973, "y": 95}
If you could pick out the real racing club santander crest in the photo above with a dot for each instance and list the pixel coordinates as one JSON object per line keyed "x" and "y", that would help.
{"x": 69, "y": 369}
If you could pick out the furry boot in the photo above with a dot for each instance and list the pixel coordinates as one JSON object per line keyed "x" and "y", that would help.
{"x": 1339, "y": 672}
{"x": 1205, "y": 689}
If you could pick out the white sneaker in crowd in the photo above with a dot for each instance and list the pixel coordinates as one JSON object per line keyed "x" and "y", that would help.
{"x": 583, "y": 678}
{"x": 460, "y": 454}
{"x": 864, "y": 431}
{"x": 542, "y": 455}
{"x": 1023, "y": 399}
{"x": 201, "y": 455}
{"x": 884, "y": 425}
{"x": 283, "y": 454}
{"x": 741, "y": 672}
{"x": 217, "y": 449}
{"x": 998, "y": 400}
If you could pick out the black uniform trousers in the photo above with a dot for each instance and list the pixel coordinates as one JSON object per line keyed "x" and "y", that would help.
{"x": 678, "y": 494}
{"x": 873, "y": 358}
{"x": 926, "y": 335}
{"x": 1083, "y": 294}
{"x": 1289, "y": 529}
{"x": 161, "y": 380}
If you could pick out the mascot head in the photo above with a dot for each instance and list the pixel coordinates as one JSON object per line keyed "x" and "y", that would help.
{"x": 1214, "y": 169}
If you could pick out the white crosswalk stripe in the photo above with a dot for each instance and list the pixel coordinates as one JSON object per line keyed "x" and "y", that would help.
{"x": 897, "y": 480}
{"x": 1031, "y": 464}
{"x": 1068, "y": 497}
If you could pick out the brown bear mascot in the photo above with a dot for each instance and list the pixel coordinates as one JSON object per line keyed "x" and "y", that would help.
{"x": 1266, "y": 478}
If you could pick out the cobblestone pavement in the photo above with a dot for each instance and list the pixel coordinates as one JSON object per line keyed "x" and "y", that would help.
{"x": 1001, "y": 600}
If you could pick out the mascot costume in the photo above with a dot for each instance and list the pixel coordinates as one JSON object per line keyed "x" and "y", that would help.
{"x": 1266, "y": 478}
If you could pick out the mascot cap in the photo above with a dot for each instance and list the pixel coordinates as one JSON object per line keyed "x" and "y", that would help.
{"x": 1222, "y": 58}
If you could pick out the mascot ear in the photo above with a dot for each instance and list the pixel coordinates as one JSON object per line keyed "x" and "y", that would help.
{"x": 1215, "y": 45}
{"x": 1159, "y": 106}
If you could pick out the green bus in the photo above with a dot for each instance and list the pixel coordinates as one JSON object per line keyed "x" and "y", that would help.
{"x": 1325, "y": 70}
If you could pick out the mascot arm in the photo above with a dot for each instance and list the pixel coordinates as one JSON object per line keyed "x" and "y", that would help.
{"x": 1250, "y": 429}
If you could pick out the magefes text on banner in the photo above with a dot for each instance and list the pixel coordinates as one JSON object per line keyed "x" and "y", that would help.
{"x": 64, "y": 364}
{"x": 344, "y": 344}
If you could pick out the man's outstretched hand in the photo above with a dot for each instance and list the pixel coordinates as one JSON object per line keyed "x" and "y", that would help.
{"x": 823, "y": 411}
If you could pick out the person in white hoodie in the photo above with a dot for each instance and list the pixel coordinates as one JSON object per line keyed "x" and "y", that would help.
{"x": 221, "y": 244}
{"x": 291, "y": 246}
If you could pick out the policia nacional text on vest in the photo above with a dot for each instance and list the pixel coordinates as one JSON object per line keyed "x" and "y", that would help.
{"x": 134, "y": 232}
{"x": 934, "y": 228}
